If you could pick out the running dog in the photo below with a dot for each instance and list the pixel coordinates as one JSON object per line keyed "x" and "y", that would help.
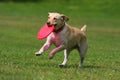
{"x": 65, "y": 37}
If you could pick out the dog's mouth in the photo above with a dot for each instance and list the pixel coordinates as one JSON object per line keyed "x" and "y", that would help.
{"x": 49, "y": 25}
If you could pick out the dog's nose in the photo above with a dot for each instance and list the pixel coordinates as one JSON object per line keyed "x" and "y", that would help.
{"x": 48, "y": 23}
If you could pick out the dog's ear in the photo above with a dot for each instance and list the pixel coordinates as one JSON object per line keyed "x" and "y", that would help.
{"x": 49, "y": 13}
{"x": 65, "y": 18}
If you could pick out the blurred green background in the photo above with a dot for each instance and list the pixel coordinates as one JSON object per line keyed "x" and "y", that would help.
{"x": 20, "y": 21}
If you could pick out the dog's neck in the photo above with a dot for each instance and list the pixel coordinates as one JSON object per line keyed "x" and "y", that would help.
{"x": 60, "y": 29}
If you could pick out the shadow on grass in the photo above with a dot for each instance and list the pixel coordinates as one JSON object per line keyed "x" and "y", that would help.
{"x": 91, "y": 66}
{"x": 46, "y": 64}
{"x": 76, "y": 66}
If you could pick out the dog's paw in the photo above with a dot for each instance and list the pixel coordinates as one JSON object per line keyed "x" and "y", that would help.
{"x": 61, "y": 65}
{"x": 51, "y": 56}
{"x": 80, "y": 66}
{"x": 37, "y": 54}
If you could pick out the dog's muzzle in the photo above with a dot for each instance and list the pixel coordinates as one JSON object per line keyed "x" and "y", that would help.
{"x": 49, "y": 24}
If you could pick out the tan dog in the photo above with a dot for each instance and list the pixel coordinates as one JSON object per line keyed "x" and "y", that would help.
{"x": 65, "y": 38}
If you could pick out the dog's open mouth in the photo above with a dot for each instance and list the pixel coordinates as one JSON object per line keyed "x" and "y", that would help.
{"x": 49, "y": 25}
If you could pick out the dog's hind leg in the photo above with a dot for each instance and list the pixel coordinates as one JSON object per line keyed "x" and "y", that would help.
{"x": 82, "y": 48}
{"x": 66, "y": 54}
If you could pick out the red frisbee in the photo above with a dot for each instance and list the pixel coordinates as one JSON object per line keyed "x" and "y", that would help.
{"x": 45, "y": 31}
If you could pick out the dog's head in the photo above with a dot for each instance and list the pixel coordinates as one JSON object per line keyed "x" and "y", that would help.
{"x": 56, "y": 19}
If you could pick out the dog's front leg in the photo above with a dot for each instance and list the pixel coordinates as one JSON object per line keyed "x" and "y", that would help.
{"x": 45, "y": 47}
{"x": 55, "y": 50}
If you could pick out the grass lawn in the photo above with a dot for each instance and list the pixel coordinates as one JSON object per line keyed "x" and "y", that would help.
{"x": 20, "y": 22}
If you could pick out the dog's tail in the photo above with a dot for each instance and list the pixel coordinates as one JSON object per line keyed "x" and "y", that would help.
{"x": 84, "y": 28}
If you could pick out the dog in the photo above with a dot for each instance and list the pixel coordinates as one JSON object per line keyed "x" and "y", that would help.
{"x": 65, "y": 37}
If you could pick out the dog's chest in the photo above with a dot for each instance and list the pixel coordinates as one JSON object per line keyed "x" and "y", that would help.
{"x": 56, "y": 39}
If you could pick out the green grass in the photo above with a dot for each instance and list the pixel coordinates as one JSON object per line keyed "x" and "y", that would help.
{"x": 20, "y": 22}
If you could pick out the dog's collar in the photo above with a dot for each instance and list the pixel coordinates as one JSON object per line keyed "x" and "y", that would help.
{"x": 60, "y": 29}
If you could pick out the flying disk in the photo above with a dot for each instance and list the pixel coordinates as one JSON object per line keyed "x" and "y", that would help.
{"x": 45, "y": 31}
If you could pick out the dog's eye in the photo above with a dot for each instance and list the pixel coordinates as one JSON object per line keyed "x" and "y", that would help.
{"x": 48, "y": 17}
{"x": 55, "y": 18}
